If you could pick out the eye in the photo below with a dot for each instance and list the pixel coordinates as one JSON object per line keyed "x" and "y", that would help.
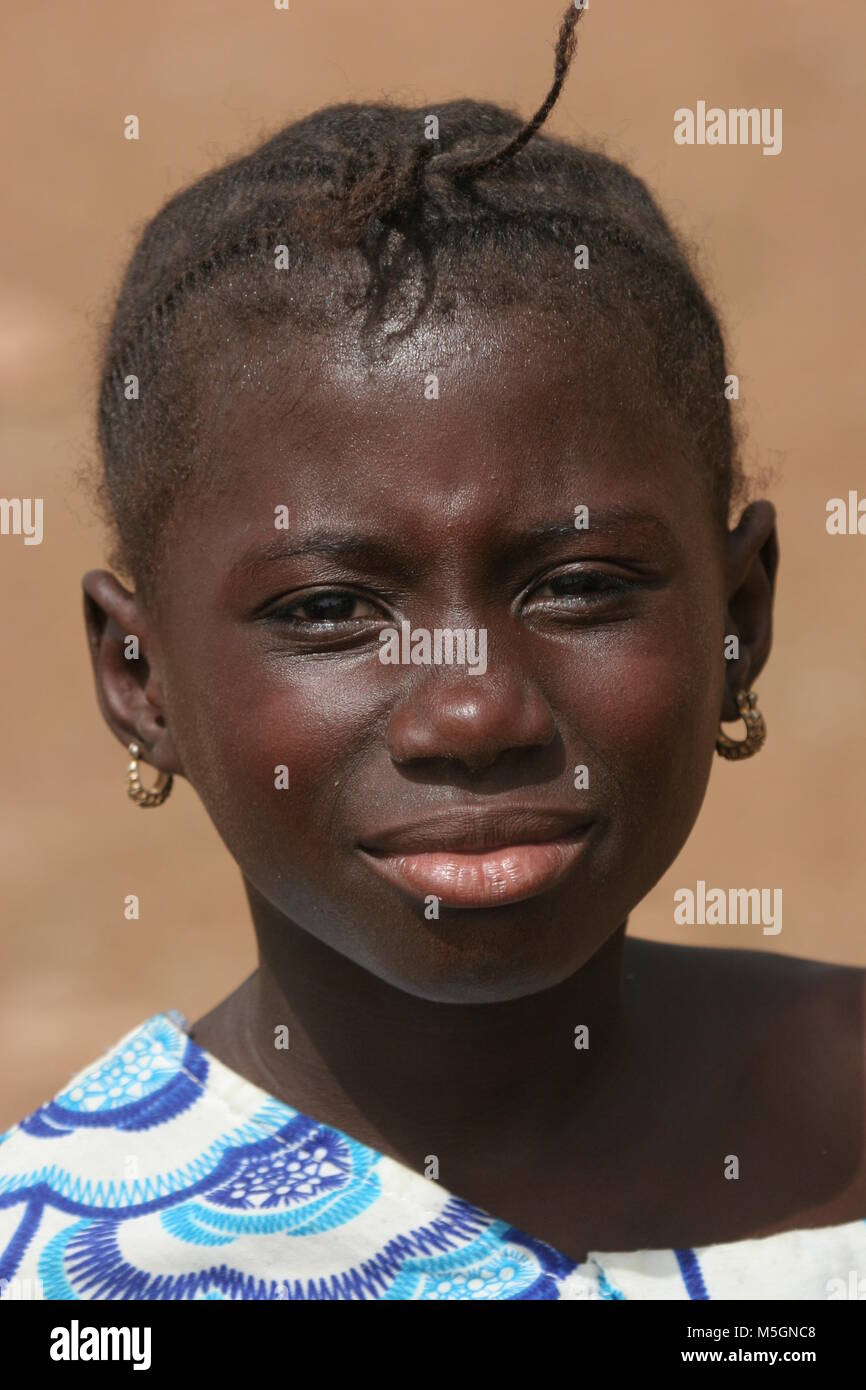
{"x": 581, "y": 587}
{"x": 326, "y": 609}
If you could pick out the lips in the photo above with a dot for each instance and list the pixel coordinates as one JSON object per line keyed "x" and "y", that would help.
{"x": 472, "y": 859}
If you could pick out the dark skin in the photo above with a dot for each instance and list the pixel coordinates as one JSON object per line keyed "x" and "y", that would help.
{"x": 455, "y": 1037}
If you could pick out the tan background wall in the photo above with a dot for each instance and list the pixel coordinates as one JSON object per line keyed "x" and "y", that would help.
{"x": 782, "y": 246}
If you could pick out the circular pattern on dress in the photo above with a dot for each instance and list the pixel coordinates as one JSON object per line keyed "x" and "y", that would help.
{"x": 491, "y": 1281}
{"x": 286, "y": 1174}
{"x": 142, "y": 1067}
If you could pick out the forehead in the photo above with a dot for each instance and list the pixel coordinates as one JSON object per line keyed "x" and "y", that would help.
{"x": 476, "y": 427}
{"x": 496, "y": 387}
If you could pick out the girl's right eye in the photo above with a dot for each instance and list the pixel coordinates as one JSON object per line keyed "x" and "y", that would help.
{"x": 326, "y": 609}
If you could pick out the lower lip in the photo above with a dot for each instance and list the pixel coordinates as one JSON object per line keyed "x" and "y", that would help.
{"x": 489, "y": 878}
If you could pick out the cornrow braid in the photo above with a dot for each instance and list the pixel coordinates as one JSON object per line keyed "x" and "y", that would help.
{"x": 194, "y": 277}
{"x": 381, "y": 225}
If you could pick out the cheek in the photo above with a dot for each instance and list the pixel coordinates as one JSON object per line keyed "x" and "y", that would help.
{"x": 651, "y": 695}
{"x": 269, "y": 748}
{"x": 643, "y": 707}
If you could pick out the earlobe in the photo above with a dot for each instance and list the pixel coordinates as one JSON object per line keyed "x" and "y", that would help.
{"x": 752, "y": 559}
{"x": 128, "y": 686}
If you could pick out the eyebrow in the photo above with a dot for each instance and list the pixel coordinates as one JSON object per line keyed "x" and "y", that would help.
{"x": 605, "y": 521}
{"x": 379, "y": 553}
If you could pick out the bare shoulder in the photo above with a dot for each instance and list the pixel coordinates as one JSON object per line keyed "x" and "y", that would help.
{"x": 809, "y": 1010}
{"x": 785, "y": 1039}
{"x": 782, "y": 987}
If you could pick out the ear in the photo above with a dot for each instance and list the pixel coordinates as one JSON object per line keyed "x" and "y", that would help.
{"x": 751, "y": 562}
{"x": 128, "y": 683}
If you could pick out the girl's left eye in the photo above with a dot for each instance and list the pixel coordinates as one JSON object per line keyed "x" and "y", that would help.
{"x": 326, "y": 609}
{"x": 582, "y": 585}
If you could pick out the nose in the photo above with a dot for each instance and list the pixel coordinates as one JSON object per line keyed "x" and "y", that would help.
{"x": 474, "y": 719}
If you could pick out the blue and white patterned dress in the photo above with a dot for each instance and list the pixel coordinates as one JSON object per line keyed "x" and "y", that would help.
{"x": 159, "y": 1173}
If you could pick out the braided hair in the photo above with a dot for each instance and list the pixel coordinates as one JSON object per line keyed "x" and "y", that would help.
{"x": 383, "y": 213}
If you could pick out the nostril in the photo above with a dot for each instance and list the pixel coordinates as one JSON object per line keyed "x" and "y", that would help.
{"x": 474, "y": 728}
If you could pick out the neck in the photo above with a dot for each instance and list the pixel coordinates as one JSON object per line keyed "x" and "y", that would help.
{"x": 406, "y": 1075}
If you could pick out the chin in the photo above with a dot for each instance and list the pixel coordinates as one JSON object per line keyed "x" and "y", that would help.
{"x": 491, "y": 956}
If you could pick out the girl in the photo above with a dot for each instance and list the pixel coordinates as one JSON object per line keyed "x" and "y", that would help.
{"x": 418, "y": 456}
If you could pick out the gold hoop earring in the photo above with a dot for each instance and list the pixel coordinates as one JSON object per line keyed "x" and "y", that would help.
{"x": 145, "y": 796}
{"x": 756, "y": 729}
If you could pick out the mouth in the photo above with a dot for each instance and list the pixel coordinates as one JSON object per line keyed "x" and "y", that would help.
{"x": 471, "y": 860}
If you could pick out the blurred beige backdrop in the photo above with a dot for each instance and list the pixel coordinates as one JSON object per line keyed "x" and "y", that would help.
{"x": 781, "y": 242}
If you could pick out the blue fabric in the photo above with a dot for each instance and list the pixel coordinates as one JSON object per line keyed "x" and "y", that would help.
{"x": 241, "y": 1212}
{"x": 160, "y": 1173}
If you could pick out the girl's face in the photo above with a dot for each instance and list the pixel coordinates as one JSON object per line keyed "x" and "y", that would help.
{"x": 604, "y": 649}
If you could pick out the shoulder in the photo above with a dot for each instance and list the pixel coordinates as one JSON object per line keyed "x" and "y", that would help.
{"x": 799, "y": 1011}
{"x": 784, "y": 1039}
{"x": 135, "y": 1074}
{"x": 791, "y": 988}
